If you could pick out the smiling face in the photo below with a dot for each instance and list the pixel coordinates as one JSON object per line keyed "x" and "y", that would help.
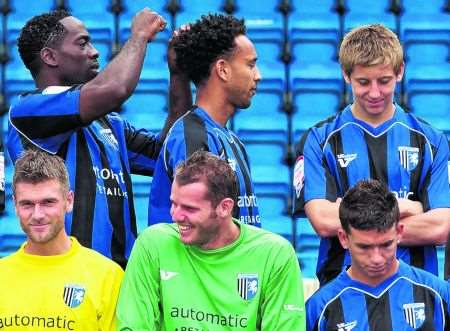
{"x": 77, "y": 57}
{"x": 196, "y": 217}
{"x": 41, "y": 208}
{"x": 244, "y": 74}
{"x": 373, "y": 253}
{"x": 373, "y": 90}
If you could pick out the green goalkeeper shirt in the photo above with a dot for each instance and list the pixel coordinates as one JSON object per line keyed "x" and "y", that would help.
{"x": 252, "y": 284}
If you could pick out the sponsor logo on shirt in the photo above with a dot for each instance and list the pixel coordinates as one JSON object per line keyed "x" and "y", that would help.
{"x": 166, "y": 275}
{"x": 247, "y": 285}
{"x": 290, "y": 307}
{"x": 346, "y": 326}
{"x": 345, "y": 159}
{"x": 106, "y": 174}
{"x": 73, "y": 295}
{"x": 216, "y": 319}
{"x": 299, "y": 175}
{"x": 409, "y": 157}
{"x": 403, "y": 193}
{"x": 414, "y": 314}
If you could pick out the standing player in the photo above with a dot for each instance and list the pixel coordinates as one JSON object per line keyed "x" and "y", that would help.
{"x": 377, "y": 292}
{"x": 52, "y": 282}
{"x": 72, "y": 114}
{"x": 221, "y": 61}
{"x": 207, "y": 271}
{"x": 374, "y": 138}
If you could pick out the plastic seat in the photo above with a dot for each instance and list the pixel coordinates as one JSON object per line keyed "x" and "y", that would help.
{"x": 22, "y": 11}
{"x": 131, "y": 7}
{"x": 315, "y": 100}
{"x": 155, "y": 62}
{"x": 430, "y": 100}
{"x": 147, "y": 107}
{"x": 265, "y": 111}
{"x": 314, "y": 15}
{"x": 307, "y": 247}
{"x": 274, "y": 216}
{"x": 263, "y": 15}
{"x": 362, "y": 12}
{"x": 192, "y": 10}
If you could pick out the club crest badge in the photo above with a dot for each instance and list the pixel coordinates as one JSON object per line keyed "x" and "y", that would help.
{"x": 247, "y": 285}
{"x": 414, "y": 314}
{"x": 73, "y": 295}
{"x": 409, "y": 157}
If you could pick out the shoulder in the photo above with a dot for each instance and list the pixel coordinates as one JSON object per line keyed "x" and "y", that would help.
{"x": 266, "y": 241}
{"x": 421, "y": 126}
{"x": 99, "y": 264}
{"x": 420, "y": 277}
{"x": 161, "y": 235}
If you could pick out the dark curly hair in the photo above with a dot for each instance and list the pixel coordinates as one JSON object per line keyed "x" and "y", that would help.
{"x": 208, "y": 39}
{"x": 39, "y": 32}
{"x": 369, "y": 205}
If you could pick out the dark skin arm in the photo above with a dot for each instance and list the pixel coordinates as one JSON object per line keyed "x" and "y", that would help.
{"x": 180, "y": 97}
{"x": 109, "y": 90}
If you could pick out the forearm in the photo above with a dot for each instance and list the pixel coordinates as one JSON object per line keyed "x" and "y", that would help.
{"x": 180, "y": 99}
{"x": 324, "y": 216}
{"x": 429, "y": 228}
{"x": 115, "y": 84}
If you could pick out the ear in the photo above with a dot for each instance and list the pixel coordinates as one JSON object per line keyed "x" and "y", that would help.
{"x": 69, "y": 201}
{"x": 222, "y": 69}
{"x": 400, "y": 227}
{"x": 401, "y": 72}
{"x": 346, "y": 77}
{"x": 225, "y": 208}
{"x": 49, "y": 57}
{"x": 343, "y": 238}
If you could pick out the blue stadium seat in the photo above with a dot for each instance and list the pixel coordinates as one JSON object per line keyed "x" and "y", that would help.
{"x": 263, "y": 15}
{"x": 315, "y": 100}
{"x": 430, "y": 100}
{"x": 192, "y": 10}
{"x": 155, "y": 62}
{"x": 15, "y": 68}
{"x": 315, "y": 53}
{"x": 22, "y": 11}
{"x": 307, "y": 247}
{"x": 266, "y": 104}
{"x": 274, "y": 215}
{"x": 314, "y": 15}
{"x": 268, "y": 44}
{"x": 425, "y": 47}
{"x": 131, "y": 7}
{"x": 367, "y": 12}
{"x": 147, "y": 107}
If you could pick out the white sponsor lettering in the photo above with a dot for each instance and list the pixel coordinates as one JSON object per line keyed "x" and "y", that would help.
{"x": 345, "y": 159}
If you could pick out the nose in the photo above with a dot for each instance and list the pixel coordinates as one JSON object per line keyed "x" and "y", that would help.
{"x": 38, "y": 213}
{"x": 376, "y": 257}
{"x": 257, "y": 74}
{"x": 374, "y": 91}
{"x": 93, "y": 52}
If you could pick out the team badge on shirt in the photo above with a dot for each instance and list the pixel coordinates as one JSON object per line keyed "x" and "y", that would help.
{"x": 414, "y": 314}
{"x": 109, "y": 137}
{"x": 247, "y": 285}
{"x": 73, "y": 295}
{"x": 409, "y": 157}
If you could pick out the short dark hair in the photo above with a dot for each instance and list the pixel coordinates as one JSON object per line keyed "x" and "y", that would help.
{"x": 208, "y": 168}
{"x": 208, "y": 39}
{"x": 39, "y": 32}
{"x": 369, "y": 205}
{"x": 35, "y": 166}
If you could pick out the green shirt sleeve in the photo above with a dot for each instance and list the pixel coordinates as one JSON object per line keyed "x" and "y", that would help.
{"x": 283, "y": 306}
{"x": 138, "y": 305}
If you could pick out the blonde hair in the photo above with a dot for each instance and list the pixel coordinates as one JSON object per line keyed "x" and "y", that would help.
{"x": 370, "y": 45}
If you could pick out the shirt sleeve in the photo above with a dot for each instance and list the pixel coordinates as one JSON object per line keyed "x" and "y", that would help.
{"x": 47, "y": 119}
{"x": 437, "y": 192}
{"x": 111, "y": 293}
{"x": 312, "y": 177}
{"x": 138, "y": 306}
{"x": 143, "y": 148}
{"x": 283, "y": 306}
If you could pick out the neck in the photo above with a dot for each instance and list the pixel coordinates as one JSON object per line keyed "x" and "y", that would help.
{"x": 54, "y": 247}
{"x": 226, "y": 236}
{"x": 373, "y": 119}
{"x": 362, "y": 278}
{"x": 215, "y": 103}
